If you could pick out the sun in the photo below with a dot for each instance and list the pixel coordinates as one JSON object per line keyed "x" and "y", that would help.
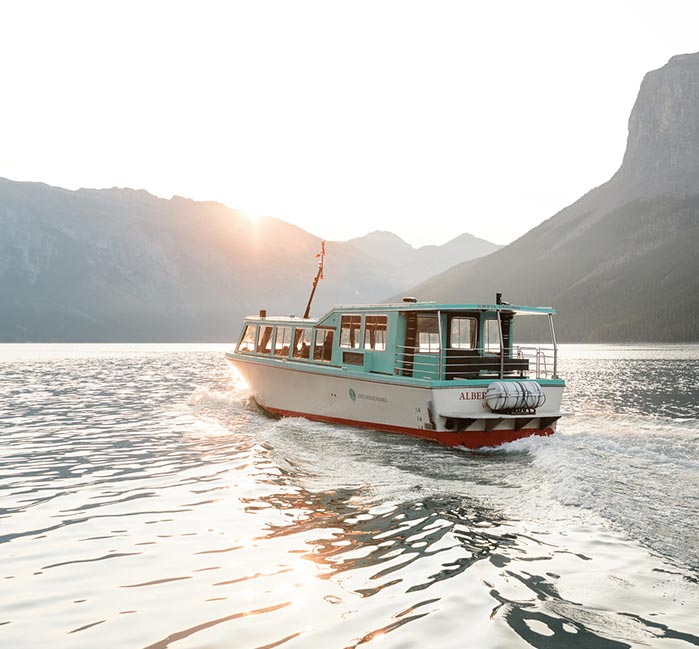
{"x": 252, "y": 216}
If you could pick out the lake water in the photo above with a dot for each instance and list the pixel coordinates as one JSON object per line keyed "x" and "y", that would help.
{"x": 146, "y": 502}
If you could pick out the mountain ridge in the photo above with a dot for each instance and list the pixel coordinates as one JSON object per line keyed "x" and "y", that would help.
{"x": 122, "y": 264}
{"x": 587, "y": 259}
{"x": 619, "y": 264}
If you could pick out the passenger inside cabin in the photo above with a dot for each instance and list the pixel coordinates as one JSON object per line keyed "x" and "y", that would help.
{"x": 328, "y": 347}
{"x": 323, "y": 348}
{"x": 302, "y": 340}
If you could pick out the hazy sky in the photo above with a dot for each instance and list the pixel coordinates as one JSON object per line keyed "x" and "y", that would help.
{"x": 428, "y": 119}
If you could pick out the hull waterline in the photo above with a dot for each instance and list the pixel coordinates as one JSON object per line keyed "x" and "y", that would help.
{"x": 472, "y": 440}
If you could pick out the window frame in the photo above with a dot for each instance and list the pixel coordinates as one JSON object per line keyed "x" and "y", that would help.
{"x": 326, "y": 332}
{"x": 297, "y": 347}
{"x": 433, "y": 336}
{"x": 491, "y": 346}
{"x": 473, "y": 337}
{"x": 375, "y": 324}
{"x": 286, "y": 337}
{"x": 261, "y": 333}
{"x": 239, "y": 348}
{"x": 352, "y": 339}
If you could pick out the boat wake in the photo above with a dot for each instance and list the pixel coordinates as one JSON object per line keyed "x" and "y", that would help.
{"x": 205, "y": 396}
{"x": 638, "y": 475}
{"x": 620, "y": 470}
{"x": 529, "y": 516}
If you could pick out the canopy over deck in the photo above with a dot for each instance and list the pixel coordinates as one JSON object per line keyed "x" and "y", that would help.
{"x": 414, "y": 306}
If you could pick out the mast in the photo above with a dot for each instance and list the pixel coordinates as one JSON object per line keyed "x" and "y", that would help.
{"x": 319, "y": 275}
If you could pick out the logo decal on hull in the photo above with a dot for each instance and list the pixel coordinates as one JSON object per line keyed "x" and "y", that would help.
{"x": 366, "y": 397}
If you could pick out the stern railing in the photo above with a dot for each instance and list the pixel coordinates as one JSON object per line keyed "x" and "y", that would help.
{"x": 453, "y": 363}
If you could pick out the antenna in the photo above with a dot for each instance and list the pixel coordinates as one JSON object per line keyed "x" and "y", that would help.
{"x": 499, "y": 300}
{"x": 319, "y": 275}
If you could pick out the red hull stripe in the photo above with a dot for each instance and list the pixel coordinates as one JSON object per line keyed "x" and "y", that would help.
{"x": 469, "y": 439}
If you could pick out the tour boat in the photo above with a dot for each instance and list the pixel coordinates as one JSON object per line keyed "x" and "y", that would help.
{"x": 451, "y": 373}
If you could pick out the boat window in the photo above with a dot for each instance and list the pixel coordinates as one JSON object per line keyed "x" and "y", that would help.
{"x": 463, "y": 333}
{"x": 247, "y": 342}
{"x": 353, "y": 358}
{"x": 492, "y": 336}
{"x": 323, "y": 349}
{"x": 302, "y": 343}
{"x": 427, "y": 333}
{"x": 264, "y": 340}
{"x": 375, "y": 332}
{"x": 349, "y": 331}
{"x": 282, "y": 341}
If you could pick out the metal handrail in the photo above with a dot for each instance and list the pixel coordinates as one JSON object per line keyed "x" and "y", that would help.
{"x": 543, "y": 357}
{"x": 407, "y": 363}
{"x": 411, "y": 360}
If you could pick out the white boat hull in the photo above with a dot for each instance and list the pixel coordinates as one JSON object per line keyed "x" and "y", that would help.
{"x": 455, "y": 414}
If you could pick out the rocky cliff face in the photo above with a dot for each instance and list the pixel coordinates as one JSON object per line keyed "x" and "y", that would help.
{"x": 622, "y": 262}
{"x": 662, "y": 151}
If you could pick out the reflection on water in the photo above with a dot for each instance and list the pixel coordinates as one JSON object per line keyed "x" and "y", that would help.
{"x": 146, "y": 502}
{"x": 656, "y": 381}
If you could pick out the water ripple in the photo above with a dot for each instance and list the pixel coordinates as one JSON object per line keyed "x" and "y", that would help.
{"x": 234, "y": 529}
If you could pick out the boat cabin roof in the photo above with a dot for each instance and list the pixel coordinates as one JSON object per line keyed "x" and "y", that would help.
{"x": 409, "y": 306}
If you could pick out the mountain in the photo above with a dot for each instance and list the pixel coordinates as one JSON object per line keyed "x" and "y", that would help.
{"x": 124, "y": 265}
{"x": 410, "y": 263}
{"x": 622, "y": 262}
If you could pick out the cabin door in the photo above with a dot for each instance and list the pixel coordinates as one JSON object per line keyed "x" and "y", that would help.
{"x": 422, "y": 345}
